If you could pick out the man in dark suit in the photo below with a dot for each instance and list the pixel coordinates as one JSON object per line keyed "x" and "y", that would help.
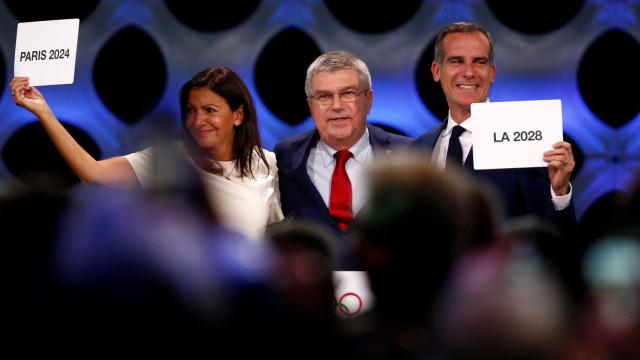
{"x": 339, "y": 95}
{"x": 463, "y": 64}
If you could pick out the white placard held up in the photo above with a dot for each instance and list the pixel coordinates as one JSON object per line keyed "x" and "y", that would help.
{"x": 46, "y": 51}
{"x": 352, "y": 293}
{"x": 514, "y": 134}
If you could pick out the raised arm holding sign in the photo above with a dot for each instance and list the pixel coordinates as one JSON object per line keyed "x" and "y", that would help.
{"x": 463, "y": 64}
{"x": 220, "y": 138}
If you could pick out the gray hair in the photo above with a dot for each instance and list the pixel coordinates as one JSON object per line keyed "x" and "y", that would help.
{"x": 334, "y": 61}
{"x": 459, "y": 27}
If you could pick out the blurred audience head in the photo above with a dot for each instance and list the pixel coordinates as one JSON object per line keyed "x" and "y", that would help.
{"x": 611, "y": 269}
{"x": 134, "y": 276}
{"x": 29, "y": 221}
{"x": 557, "y": 251}
{"x": 503, "y": 302}
{"x": 305, "y": 258}
{"x": 415, "y": 222}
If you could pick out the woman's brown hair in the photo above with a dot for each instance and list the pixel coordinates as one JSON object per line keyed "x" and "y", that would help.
{"x": 227, "y": 84}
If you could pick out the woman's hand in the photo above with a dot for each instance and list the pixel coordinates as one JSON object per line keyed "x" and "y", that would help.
{"x": 27, "y": 96}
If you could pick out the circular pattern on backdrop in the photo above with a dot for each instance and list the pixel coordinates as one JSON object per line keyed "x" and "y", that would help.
{"x": 373, "y": 17}
{"x": 282, "y": 66}
{"x": 429, "y": 90}
{"x": 27, "y": 11}
{"x": 130, "y": 86}
{"x": 609, "y": 96}
{"x": 212, "y": 16}
{"x": 385, "y": 34}
{"x": 535, "y": 17}
{"x": 31, "y": 157}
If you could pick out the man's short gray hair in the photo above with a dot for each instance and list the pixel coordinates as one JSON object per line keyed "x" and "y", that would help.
{"x": 459, "y": 27}
{"x": 334, "y": 61}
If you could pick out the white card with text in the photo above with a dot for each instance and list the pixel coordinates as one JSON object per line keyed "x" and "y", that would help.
{"x": 352, "y": 293}
{"x": 514, "y": 134}
{"x": 46, "y": 51}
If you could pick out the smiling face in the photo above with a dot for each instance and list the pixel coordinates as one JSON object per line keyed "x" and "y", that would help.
{"x": 340, "y": 124}
{"x": 465, "y": 73}
{"x": 211, "y": 122}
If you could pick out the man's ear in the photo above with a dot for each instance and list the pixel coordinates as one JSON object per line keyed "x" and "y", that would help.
{"x": 435, "y": 71}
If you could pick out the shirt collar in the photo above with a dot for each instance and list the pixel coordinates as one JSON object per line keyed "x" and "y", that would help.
{"x": 358, "y": 150}
{"x": 467, "y": 124}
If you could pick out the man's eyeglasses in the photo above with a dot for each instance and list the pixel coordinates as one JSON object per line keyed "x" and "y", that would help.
{"x": 326, "y": 98}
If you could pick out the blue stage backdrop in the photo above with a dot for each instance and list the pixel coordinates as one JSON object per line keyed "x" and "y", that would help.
{"x": 133, "y": 56}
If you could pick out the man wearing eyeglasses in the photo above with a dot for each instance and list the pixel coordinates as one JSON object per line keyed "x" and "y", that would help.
{"x": 321, "y": 172}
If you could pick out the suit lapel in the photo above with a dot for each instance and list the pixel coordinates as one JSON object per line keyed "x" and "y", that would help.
{"x": 379, "y": 141}
{"x": 431, "y": 140}
{"x": 301, "y": 153}
{"x": 299, "y": 170}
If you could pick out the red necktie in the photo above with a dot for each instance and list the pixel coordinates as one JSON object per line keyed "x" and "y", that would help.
{"x": 340, "y": 198}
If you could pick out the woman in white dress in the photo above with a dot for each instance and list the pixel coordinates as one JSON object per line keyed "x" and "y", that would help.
{"x": 220, "y": 138}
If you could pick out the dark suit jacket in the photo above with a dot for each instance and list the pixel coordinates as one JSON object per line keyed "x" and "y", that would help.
{"x": 524, "y": 190}
{"x": 298, "y": 194}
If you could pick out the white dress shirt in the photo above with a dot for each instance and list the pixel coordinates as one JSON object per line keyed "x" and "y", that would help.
{"x": 321, "y": 164}
{"x": 439, "y": 155}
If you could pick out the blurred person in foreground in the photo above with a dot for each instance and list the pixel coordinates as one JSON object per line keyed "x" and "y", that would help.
{"x": 417, "y": 222}
{"x": 611, "y": 317}
{"x": 304, "y": 259}
{"x": 611, "y": 271}
{"x": 504, "y": 301}
{"x": 220, "y": 137}
{"x": 29, "y": 222}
